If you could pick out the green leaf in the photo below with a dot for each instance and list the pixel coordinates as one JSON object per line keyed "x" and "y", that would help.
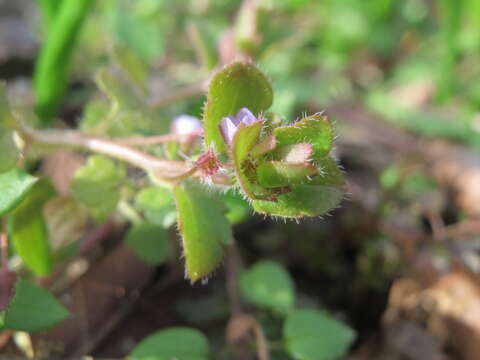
{"x": 94, "y": 112}
{"x": 96, "y": 185}
{"x": 246, "y": 137}
{"x": 131, "y": 65}
{"x": 14, "y": 186}
{"x": 149, "y": 242}
{"x": 316, "y": 130}
{"x": 204, "y": 229}
{"x": 28, "y": 229}
{"x": 277, "y": 173}
{"x": 33, "y": 309}
{"x": 157, "y": 205}
{"x": 267, "y": 284}
{"x": 314, "y": 335}
{"x": 179, "y": 343}
{"x": 236, "y": 86}
{"x": 313, "y": 198}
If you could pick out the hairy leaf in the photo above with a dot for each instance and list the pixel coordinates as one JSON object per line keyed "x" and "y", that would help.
{"x": 316, "y": 130}
{"x": 236, "y": 86}
{"x": 277, "y": 173}
{"x": 204, "y": 229}
{"x": 313, "y": 198}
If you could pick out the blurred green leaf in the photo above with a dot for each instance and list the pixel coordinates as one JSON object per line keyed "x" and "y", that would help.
{"x": 140, "y": 33}
{"x": 28, "y": 230}
{"x": 315, "y": 335}
{"x": 204, "y": 44}
{"x": 157, "y": 205}
{"x": 390, "y": 176}
{"x": 236, "y": 86}
{"x": 94, "y": 112}
{"x": 96, "y": 185}
{"x": 180, "y": 343}
{"x": 204, "y": 229}
{"x": 128, "y": 112}
{"x": 131, "y": 65}
{"x": 417, "y": 183}
{"x": 149, "y": 242}
{"x": 267, "y": 284}
{"x": 238, "y": 208}
{"x": 8, "y": 150}
{"x": 33, "y": 309}
{"x": 14, "y": 186}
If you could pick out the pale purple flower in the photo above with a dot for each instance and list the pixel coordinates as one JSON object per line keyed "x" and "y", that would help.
{"x": 229, "y": 124}
{"x": 186, "y": 125}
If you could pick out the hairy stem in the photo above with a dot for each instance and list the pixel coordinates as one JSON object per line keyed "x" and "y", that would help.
{"x": 166, "y": 169}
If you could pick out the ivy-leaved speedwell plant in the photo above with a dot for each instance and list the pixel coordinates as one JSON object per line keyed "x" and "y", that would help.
{"x": 282, "y": 168}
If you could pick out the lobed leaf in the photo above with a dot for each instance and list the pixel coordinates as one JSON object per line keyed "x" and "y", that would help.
{"x": 267, "y": 284}
{"x": 204, "y": 228}
{"x": 33, "y": 309}
{"x": 236, "y": 86}
{"x": 96, "y": 185}
{"x": 180, "y": 343}
{"x": 314, "y": 335}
